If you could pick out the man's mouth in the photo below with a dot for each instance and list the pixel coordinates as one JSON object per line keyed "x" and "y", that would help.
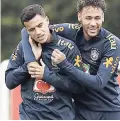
{"x": 41, "y": 36}
{"x": 93, "y": 30}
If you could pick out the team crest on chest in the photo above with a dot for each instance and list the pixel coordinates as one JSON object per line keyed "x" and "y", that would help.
{"x": 94, "y": 55}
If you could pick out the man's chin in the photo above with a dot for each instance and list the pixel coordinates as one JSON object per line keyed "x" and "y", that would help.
{"x": 93, "y": 34}
{"x": 42, "y": 41}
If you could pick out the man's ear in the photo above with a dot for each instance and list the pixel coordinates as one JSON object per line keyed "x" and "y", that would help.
{"x": 47, "y": 19}
{"x": 79, "y": 16}
{"x": 103, "y": 16}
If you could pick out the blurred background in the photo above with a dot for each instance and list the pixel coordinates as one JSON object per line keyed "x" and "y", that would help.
{"x": 58, "y": 11}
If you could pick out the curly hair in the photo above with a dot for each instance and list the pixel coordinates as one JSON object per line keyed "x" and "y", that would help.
{"x": 96, "y": 3}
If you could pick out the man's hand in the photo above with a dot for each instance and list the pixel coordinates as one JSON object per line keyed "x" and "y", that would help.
{"x": 37, "y": 49}
{"x": 35, "y": 70}
{"x": 57, "y": 56}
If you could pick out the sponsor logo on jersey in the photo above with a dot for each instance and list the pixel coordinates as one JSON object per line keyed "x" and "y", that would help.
{"x": 43, "y": 91}
{"x": 112, "y": 40}
{"x": 43, "y": 87}
{"x": 74, "y": 26}
{"x": 62, "y": 42}
{"x": 42, "y": 97}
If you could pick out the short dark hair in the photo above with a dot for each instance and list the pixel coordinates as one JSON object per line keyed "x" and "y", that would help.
{"x": 96, "y": 3}
{"x": 30, "y": 12}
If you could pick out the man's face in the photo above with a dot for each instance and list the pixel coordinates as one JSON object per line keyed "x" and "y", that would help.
{"x": 91, "y": 19}
{"x": 38, "y": 29}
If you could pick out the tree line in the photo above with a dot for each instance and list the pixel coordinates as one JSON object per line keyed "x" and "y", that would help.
{"x": 58, "y": 11}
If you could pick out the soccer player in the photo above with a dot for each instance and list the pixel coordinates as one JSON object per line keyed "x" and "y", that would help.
{"x": 42, "y": 101}
{"x": 100, "y": 54}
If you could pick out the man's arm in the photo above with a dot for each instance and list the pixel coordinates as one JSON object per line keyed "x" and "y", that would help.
{"x": 106, "y": 70}
{"x": 65, "y": 82}
{"x": 28, "y": 54}
{"x": 16, "y": 72}
{"x": 55, "y": 79}
{"x": 66, "y": 30}
{"x": 62, "y": 82}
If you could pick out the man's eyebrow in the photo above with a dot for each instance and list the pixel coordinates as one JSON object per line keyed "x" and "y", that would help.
{"x": 40, "y": 23}
{"x": 31, "y": 28}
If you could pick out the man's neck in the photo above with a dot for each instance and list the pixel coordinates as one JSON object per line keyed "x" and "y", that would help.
{"x": 86, "y": 36}
{"x": 49, "y": 38}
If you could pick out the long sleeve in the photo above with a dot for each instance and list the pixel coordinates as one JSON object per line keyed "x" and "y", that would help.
{"x": 66, "y": 30}
{"x": 107, "y": 68}
{"x": 55, "y": 79}
{"x": 16, "y": 72}
{"x": 28, "y": 54}
{"x": 60, "y": 79}
{"x": 62, "y": 82}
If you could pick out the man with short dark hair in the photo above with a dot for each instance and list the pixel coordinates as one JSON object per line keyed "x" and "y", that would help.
{"x": 100, "y": 54}
{"x": 42, "y": 101}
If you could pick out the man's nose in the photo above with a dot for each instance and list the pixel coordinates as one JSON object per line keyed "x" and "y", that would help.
{"x": 93, "y": 22}
{"x": 38, "y": 31}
